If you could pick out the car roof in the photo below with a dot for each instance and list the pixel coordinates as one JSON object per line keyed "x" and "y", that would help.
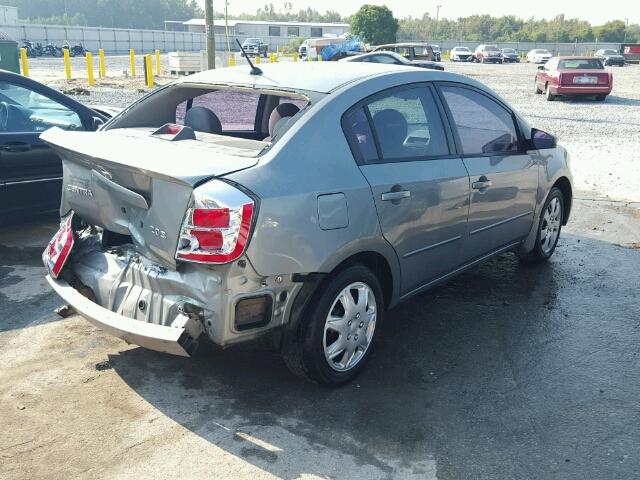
{"x": 575, "y": 57}
{"x": 323, "y": 77}
{"x": 404, "y": 44}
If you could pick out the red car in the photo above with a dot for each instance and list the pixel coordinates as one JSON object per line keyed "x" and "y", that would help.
{"x": 573, "y": 76}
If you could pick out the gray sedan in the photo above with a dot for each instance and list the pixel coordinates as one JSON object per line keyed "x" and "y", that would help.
{"x": 300, "y": 201}
{"x": 392, "y": 58}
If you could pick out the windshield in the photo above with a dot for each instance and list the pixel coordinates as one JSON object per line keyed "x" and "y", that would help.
{"x": 508, "y": 50}
{"x": 461, "y": 49}
{"x": 541, "y": 51}
{"x": 251, "y": 41}
{"x": 609, "y": 52}
{"x": 581, "y": 64}
{"x": 435, "y": 48}
{"x": 491, "y": 48}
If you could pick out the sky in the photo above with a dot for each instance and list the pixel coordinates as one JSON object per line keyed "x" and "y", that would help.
{"x": 594, "y": 12}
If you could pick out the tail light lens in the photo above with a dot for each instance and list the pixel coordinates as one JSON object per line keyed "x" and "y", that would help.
{"x": 216, "y": 229}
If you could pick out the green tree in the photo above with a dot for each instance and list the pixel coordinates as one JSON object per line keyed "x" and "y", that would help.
{"x": 612, "y": 31}
{"x": 375, "y": 24}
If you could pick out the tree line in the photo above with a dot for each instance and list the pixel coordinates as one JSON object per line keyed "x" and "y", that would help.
{"x": 151, "y": 14}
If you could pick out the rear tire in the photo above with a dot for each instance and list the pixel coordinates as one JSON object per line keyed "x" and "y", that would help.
{"x": 336, "y": 318}
{"x": 601, "y": 98}
{"x": 548, "y": 95}
{"x": 549, "y": 228}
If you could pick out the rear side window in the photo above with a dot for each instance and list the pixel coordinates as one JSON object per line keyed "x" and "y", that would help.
{"x": 356, "y": 126}
{"x": 236, "y": 110}
{"x": 484, "y": 126}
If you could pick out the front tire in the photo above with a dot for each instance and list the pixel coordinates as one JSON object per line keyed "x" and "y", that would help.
{"x": 536, "y": 89}
{"x": 336, "y": 335}
{"x": 549, "y": 228}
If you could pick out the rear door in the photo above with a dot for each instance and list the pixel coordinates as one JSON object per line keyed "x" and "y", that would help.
{"x": 420, "y": 188}
{"x": 503, "y": 176}
{"x": 30, "y": 171}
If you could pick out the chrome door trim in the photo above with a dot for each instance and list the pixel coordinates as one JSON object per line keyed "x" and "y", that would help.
{"x": 429, "y": 247}
{"x": 501, "y": 222}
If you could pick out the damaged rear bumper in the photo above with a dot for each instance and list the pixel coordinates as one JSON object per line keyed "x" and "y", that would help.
{"x": 179, "y": 338}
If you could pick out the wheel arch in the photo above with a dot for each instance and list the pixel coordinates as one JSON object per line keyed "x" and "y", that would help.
{"x": 564, "y": 185}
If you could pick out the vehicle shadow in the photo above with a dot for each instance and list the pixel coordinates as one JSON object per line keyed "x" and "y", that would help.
{"x": 505, "y": 372}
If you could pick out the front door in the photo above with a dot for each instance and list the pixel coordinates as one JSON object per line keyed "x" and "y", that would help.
{"x": 31, "y": 173}
{"x": 503, "y": 177}
{"x": 419, "y": 187}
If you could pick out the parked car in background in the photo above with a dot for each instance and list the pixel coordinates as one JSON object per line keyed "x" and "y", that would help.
{"x": 487, "y": 54}
{"x": 410, "y": 50}
{"x": 30, "y": 170}
{"x": 461, "y": 54}
{"x": 437, "y": 53}
{"x": 538, "y": 55}
{"x": 255, "y": 47}
{"x": 192, "y": 214}
{"x": 609, "y": 56}
{"x": 573, "y": 76}
{"x": 510, "y": 55}
{"x": 392, "y": 58}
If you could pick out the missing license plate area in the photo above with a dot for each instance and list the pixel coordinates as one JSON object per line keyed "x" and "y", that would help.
{"x": 253, "y": 312}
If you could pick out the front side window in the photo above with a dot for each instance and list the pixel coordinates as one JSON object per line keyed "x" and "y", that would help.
{"x": 484, "y": 126}
{"x": 23, "y": 110}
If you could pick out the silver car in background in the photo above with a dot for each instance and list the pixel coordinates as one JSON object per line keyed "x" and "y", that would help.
{"x": 302, "y": 201}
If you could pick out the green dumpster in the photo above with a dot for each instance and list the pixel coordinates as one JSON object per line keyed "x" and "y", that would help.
{"x": 9, "y": 53}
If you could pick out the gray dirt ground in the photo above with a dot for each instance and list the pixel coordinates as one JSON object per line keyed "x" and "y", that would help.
{"x": 506, "y": 372}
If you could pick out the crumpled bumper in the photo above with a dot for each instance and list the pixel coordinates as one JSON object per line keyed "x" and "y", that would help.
{"x": 179, "y": 338}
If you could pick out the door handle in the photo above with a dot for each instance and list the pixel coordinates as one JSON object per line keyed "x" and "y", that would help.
{"x": 482, "y": 183}
{"x": 15, "y": 147}
{"x": 387, "y": 196}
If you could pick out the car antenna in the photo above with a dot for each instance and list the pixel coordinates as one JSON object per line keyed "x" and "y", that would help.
{"x": 254, "y": 70}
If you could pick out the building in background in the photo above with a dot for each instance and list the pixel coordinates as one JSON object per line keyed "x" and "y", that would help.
{"x": 274, "y": 33}
{"x": 8, "y": 15}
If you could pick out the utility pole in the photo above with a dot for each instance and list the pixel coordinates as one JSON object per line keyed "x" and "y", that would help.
{"x": 626, "y": 26}
{"x": 435, "y": 33}
{"x": 210, "y": 33}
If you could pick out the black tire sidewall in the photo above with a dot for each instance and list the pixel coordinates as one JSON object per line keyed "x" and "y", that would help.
{"x": 554, "y": 193}
{"x": 312, "y": 329}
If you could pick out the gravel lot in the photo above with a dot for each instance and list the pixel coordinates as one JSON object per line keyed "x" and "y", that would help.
{"x": 506, "y": 372}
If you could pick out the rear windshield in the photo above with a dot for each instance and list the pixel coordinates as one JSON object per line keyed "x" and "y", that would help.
{"x": 581, "y": 64}
{"x": 245, "y": 113}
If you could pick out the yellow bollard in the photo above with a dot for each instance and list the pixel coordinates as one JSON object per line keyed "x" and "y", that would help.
{"x": 295, "y": 57}
{"x": 149, "y": 70}
{"x": 67, "y": 63}
{"x": 320, "y": 58}
{"x": 132, "y": 62}
{"x": 25, "y": 62}
{"x": 102, "y": 67}
{"x": 232, "y": 60}
{"x": 92, "y": 80}
{"x": 257, "y": 62}
{"x": 158, "y": 62}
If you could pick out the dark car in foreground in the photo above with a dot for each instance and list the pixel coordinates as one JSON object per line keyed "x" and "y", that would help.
{"x": 30, "y": 170}
{"x": 573, "y": 77}
{"x": 609, "y": 56}
{"x": 299, "y": 201}
{"x": 510, "y": 55}
{"x": 392, "y": 58}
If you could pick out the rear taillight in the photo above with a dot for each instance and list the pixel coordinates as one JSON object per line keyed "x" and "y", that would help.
{"x": 216, "y": 229}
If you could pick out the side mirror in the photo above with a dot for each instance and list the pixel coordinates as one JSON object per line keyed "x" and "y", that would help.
{"x": 96, "y": 123}
{"x": 540, "y": 67}
{"x": 542, "y": 140}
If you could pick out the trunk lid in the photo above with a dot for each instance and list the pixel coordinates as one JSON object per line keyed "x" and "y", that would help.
{"x": 132, "y": 183}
